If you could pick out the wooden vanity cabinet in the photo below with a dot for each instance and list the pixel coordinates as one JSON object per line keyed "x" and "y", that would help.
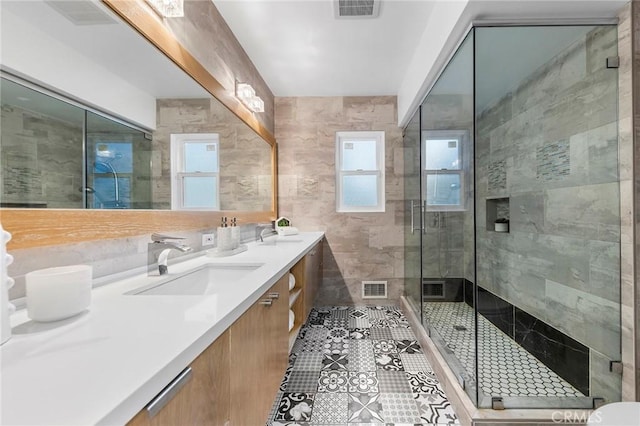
{"x": 259, "y": 356}
{"x": 312, "y": 277}
{"x": 204, "y": 399}
{"x": 235, "y": 380}
{"x": 308, "y": 274}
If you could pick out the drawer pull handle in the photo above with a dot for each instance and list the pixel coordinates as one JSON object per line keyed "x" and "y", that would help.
{"x": 168, "y": 392}
{"x": 266, "y": 302}
{"x": 274, "y": 295}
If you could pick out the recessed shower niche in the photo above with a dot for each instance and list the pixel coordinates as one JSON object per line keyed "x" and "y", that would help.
{"x": 497, "y": 210}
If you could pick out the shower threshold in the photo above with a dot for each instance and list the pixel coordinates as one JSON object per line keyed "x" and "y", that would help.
{"x": 507, "y": 370}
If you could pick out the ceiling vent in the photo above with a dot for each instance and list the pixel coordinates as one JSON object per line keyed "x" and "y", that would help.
{"x": 81, "y": 12}
{"x": 348, "y": 9}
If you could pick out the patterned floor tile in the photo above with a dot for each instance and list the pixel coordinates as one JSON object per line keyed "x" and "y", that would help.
{"x": 359, "y": 313}
{"x": 338, "y": 333}
{"x": 384, "y": 347}
{"x": 408, "y": 347}
{"x": 337, "y": 322}
{"x": 435, "y": 409}
{"x": 316, "y": 333}
{"x": 363, "y": 381}
{"x": 381, "y": 333}
{"x": 359, "y": 323}
{"x": 341, "y": 313}
{"x": 335, "y": 361}
{"x": 387, "y": 322}
{"x": 335, "y": 346}
{"x": 414, "y": 363}
{"x": 377, "y": 314}
{"x": 393, "y": 382}
{"x": 312, "y": 345}
{"x": 333, "y": 381}
{"x": 423, "y": 383}
{"x": 402, "y": 333}
{"x": 365, "y": 408}
{"x": 285, "y": 379}
{"x": 308, "y": 361}
{"x": 303, "y": 381}
{"x": 388, "y": 362}
{"x": 359, "y": 333}
{"x": 399, "y": 408}
{"x": 294, "y": 407}
{"x": 330, "y": 409}
{"x": 361, "y": 362}
{"x": 358, "y": 347}
{"x": 275, "y": 405}
{"x": 342, "y": 371}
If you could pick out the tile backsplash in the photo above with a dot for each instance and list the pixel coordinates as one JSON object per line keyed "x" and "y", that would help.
{"x": 107, "y": 257}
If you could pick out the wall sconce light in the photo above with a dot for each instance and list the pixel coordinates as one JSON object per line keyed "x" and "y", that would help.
{"x": 247, "y": 96}
{"x": 168, "y": 8}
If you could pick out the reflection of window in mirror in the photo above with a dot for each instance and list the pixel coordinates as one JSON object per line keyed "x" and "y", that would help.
{"x": 195, "y": 171}
{"x": 443, "y": 178}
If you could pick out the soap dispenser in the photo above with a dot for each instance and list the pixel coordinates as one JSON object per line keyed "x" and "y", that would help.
{"x": 6, "y": 308}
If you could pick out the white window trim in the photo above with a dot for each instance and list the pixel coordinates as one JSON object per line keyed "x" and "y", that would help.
{"x": 178, "y": 141}
{"x": 461, "y": 136}
{"x": 379, "y": 137}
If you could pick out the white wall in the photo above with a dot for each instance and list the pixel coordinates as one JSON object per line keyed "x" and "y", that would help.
{"x": 34, "y": 55}
{"x": 450, "y": 20}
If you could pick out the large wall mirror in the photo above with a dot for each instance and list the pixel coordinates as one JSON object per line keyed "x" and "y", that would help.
{"x": 94, "y": 116}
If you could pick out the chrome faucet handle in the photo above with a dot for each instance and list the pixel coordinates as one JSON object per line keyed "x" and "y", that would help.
{"x": 159, "y": 238}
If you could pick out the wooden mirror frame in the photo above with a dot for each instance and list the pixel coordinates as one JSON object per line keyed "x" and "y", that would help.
{"x": 39, "y": 227}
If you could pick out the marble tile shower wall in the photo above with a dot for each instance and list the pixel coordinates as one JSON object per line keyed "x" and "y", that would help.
{"x": 552, "y": 148}
{"x": 365, "y": 246}
{"x": 106, "y": 256}
{"x": 36, "y": 152}
{"x": 245, "y": 160}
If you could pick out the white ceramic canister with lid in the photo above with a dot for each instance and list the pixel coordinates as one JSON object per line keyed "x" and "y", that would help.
{"x": 57, "y": 293}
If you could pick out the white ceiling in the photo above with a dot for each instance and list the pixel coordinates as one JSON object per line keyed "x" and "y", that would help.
{"x": 301, "y": 49}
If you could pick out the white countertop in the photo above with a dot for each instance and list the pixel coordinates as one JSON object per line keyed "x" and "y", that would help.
{"x": 105, "y": 365}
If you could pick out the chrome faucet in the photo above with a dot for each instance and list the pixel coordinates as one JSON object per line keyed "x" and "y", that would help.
{"x": 159, "y": 248}
{"x": 262, "y": 231}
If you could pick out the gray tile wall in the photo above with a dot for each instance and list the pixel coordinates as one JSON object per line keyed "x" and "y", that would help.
{"x": 558, "y": 144}
{"x": 39, "y": 159}
{"x": 107, "y": 257}
{"x": 366, "y": 246}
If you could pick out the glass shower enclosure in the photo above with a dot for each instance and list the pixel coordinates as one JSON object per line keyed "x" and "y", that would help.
{"x": 512, "y": 230}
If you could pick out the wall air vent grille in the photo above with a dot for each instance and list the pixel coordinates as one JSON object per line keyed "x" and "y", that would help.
{"x": 374, "y": 289}
{"x": 81, "y": 12}
{"x": 357, "y": 8}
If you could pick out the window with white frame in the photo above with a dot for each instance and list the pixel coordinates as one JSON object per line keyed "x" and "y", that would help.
{"x": 195, "y": 171}
{"x": 443, "y": 177}
{"x": 360, "y": 172}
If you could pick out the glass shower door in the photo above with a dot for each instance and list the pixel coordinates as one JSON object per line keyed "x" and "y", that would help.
{"x": 447, "y": 209}
{"x": 546, "y": 160}
{"x": 413, "y": 216}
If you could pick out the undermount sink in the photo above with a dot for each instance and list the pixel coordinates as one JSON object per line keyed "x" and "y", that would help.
{"x": 204, "y": 280}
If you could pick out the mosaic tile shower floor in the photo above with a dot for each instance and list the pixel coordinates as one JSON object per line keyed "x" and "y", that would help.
{"x": 359, "y": 366}
{"x": 506, "y": 368}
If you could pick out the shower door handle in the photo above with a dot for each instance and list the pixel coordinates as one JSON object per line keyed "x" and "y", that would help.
{"x": 413, "y": 224}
